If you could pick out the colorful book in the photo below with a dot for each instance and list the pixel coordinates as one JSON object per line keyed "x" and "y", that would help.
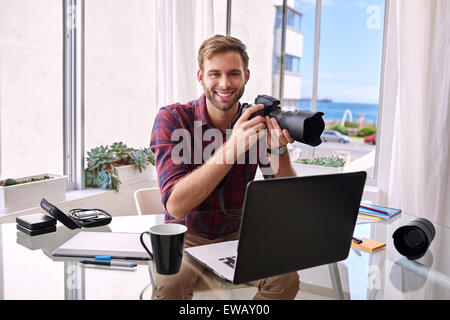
{"x": 378, "y": 211}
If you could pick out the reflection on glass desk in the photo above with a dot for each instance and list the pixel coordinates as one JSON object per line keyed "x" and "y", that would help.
{"x": 28, "y": 271}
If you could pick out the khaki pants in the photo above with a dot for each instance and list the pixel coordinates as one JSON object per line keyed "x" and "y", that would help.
{"x": 180, "y": 286}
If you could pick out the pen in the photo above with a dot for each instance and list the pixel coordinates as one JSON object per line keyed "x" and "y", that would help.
{"x": 358, "y": 241}
{"x": 109, "y": 263}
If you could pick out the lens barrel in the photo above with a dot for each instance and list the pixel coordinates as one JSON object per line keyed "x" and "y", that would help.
{"x": 303, "y": 126}
{"x": 413, "y": 239}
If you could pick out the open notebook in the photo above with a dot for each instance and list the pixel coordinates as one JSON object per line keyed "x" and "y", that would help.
{"x": 115, "y": 244}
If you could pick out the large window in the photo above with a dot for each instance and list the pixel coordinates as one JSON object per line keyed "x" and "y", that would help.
{"x": 257, "y": 32}
{"x": 120, "y": 77}
{"x": 351, "y": 44}
{"x": 31, "y": 97}
{"x": 336, "y": 71}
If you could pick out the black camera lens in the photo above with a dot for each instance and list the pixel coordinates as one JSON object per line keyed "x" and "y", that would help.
{"x": 303, "y": 126}
{"x": 413, "y": 239}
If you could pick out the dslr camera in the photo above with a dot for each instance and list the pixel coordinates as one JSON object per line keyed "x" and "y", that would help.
{"x": 303, "y": 126}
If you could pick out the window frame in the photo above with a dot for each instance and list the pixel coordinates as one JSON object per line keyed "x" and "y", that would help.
{"x": 74, "y": 144}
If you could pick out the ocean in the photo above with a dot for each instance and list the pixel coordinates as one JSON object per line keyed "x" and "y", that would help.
{"x": 336, "y": 110}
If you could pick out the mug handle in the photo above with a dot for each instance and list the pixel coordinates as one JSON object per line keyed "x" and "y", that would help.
{"x": 143, "y": 244}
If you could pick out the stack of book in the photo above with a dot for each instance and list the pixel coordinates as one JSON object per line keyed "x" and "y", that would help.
{"x": 376, "y": 211}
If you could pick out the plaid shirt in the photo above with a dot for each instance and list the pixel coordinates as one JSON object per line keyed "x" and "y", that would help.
{"x": 208, "y": 219}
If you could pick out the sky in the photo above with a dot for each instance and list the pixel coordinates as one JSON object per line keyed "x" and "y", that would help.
{"x": 350, "y": 55}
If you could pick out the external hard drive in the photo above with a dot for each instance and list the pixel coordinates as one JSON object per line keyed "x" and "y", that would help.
{"x": 36, "y": 221}
{"x": 36, "y": 232}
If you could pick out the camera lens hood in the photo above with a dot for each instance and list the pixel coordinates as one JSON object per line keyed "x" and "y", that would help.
{"x": 413, "y": 239}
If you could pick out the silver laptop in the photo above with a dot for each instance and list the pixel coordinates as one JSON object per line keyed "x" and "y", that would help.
{"x": 288, "y": 224}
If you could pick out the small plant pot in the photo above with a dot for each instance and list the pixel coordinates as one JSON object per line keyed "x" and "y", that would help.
{"x": 128, "y": 175}
{"x": 29, "y": 195}
{"x": 312, "y": 170}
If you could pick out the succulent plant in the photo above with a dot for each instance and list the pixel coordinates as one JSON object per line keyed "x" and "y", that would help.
{"x": 120, "y": 149}
{"x": 105, "y": 180}
{"x": 150, "y": 155}
{"x": 100, "y": 170}
{"x": 139, "y": 159}
{"x": 100, "y": 158}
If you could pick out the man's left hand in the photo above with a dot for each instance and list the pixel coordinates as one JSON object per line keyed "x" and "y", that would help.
{"x": 275, "y": 136}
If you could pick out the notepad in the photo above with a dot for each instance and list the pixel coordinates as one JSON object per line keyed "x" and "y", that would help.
{"x": 115, "y": 244}
{"x": 369, "y": 245}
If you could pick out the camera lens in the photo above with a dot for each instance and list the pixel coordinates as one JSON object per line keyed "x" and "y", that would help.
{"x": 413, "y": 239}
{"x": 303, "y": 126}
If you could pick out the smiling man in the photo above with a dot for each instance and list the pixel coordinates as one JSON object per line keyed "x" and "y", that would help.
{"x": 191, "y": 191}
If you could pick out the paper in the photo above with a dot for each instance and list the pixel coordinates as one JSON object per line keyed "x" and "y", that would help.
{"x": 369, "y": 245}
{"x": 114, "y": 244}
{"x": 362, "y": 218}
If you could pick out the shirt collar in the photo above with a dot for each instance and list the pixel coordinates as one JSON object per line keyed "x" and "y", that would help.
{"x": 201, "y": 112}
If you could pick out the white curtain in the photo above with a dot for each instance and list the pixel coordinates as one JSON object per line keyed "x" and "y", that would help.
{"x": 418, "y": 55}
{"x": 181, "y": 28}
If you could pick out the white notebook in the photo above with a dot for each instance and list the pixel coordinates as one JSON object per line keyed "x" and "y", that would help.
{"x": 115, "y": 244}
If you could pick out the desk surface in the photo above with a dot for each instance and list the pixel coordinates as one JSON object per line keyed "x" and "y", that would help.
{"x": 27, "y": 270}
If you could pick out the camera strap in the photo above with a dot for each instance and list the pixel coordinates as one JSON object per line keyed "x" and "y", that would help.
{"x": 220, "y": 192}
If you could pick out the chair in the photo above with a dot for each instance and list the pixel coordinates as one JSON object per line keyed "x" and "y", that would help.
{"x": 148, "y": 201}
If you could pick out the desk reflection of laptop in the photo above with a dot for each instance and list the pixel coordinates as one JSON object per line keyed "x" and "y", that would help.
{"x": 288, "y": 224}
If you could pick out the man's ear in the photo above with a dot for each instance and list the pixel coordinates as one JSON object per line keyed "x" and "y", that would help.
{"x": 247, "y": 75}
{"x": 200, "y": 76}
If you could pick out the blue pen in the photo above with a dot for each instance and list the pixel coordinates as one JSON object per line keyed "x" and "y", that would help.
{"x": 108, "y": 263}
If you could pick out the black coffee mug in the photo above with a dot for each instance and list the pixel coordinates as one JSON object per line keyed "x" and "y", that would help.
{"x": 168, "y": 246}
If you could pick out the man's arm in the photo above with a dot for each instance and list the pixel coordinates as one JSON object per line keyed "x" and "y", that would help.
{"x": 285, "y": 166}
{"x": 191, "y": 190}
{"x": 281, "y": 164}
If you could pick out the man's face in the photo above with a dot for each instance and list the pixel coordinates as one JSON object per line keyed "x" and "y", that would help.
{"x": 223, "y": 79}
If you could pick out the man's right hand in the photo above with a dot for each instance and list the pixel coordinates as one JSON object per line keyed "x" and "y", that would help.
{"x": 246, "y": 132}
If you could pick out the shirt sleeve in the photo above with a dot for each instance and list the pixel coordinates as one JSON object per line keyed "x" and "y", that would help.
{"x": 162, "y": 144}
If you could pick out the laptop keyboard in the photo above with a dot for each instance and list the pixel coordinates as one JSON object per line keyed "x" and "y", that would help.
{"x": 229, "y": 261}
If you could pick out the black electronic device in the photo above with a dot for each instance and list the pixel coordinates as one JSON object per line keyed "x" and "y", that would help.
{"x": 78, "y": 218}
{"x": 36, "y": 232}
{"x": 303, "y": 126}
{"x": 36, "y": 221}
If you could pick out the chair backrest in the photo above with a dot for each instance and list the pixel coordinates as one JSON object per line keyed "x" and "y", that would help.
{"x": 148, "y": 201}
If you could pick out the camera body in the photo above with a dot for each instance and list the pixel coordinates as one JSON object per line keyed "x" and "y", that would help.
{"x": 303, "y": 126}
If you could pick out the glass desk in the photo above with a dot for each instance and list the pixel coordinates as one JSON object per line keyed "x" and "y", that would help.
{"x": 28, "y": 271}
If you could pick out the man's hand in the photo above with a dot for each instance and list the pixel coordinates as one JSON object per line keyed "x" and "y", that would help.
{"x": 275, "y": 136}
{"x": 246, "y": 132}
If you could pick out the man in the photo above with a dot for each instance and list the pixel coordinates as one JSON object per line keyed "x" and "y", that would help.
{"x": 207, "y": 194}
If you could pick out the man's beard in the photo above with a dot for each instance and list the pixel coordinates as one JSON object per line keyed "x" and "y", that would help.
{"x": 210, "y": 96}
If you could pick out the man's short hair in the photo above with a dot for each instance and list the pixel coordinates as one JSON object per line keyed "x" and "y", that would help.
{"x": 219, "y": 43}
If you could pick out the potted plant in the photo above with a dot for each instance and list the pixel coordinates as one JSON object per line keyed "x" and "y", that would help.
{"x": 27, "y": 192}
{"x": 109, "y": 166}
{"x": 317, "y": 166}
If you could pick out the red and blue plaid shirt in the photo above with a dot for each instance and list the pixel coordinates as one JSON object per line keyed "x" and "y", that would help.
{"x": 208, "y": 219}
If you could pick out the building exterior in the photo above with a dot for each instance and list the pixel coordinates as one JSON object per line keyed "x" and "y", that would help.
{"x": 292, "y": 92}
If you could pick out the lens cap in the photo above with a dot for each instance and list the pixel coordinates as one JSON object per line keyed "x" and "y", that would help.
{"x": 413, "y": 239}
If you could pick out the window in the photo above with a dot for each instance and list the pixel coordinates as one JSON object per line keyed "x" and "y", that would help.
{"x": 351, "y": 42}
{"x": 292, "y": 64}
{"x": 340, "y": 76}
{"x": 31, "y": 128}
{"x": 262, "y": 40}
{"x": 294, "y": 19}
{"x": 120, "y": 77}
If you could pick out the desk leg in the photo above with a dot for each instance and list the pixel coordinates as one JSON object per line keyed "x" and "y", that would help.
{"x": 336, "y": 281}
{"x": 74, "y": 281}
